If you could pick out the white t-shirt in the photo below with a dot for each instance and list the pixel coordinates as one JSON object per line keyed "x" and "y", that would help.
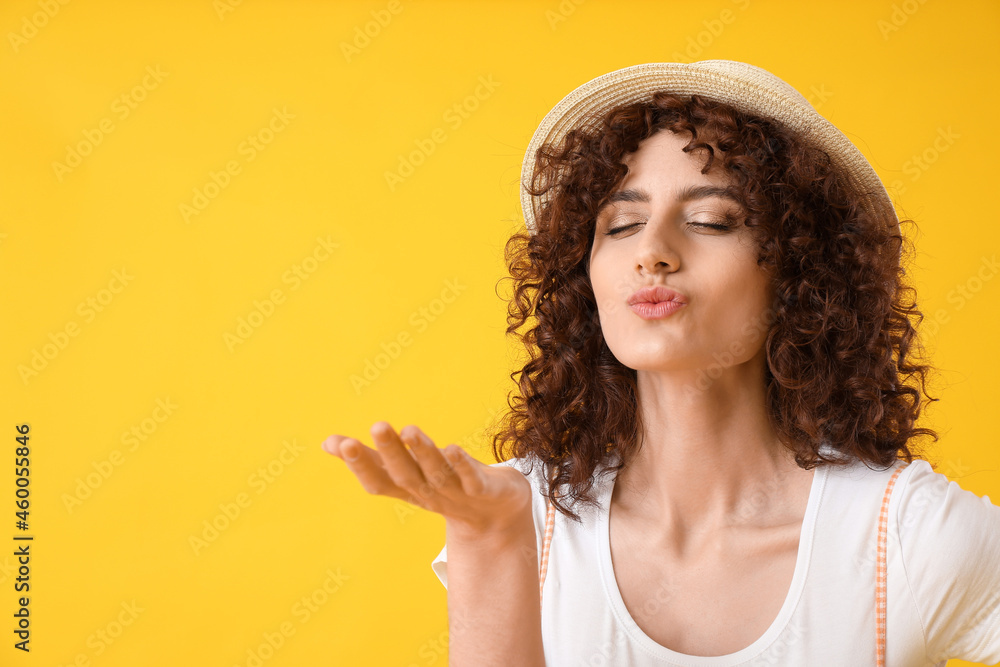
{"x": 942, "y": 595}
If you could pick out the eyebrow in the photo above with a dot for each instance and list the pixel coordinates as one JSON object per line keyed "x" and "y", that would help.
{"x": 638, "y": 195}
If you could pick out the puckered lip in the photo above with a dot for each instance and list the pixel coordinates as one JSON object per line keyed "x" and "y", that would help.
{"x": 656, "y": 294}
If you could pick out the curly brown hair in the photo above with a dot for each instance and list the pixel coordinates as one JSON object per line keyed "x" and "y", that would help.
{"x": 840, "y": 346}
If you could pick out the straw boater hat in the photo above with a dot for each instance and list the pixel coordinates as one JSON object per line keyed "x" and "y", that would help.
{"x": 749, "y": 89}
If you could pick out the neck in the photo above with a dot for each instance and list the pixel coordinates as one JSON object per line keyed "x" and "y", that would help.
{"x": 708, "y": 459}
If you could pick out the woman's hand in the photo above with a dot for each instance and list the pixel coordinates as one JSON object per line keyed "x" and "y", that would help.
{"x": 473, "y": 497}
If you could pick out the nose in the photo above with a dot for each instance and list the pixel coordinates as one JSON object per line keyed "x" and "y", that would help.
{"x": 656, "y": 250}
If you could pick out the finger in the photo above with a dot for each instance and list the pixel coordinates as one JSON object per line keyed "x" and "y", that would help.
{"x": 366, "y": 465}
{"x": 396, "y": 459}
{"x": 352, "y": 451}
{"x": 439, "y": 476}
{"x": 468, "y": 469}
{"x": 332, "y": 444}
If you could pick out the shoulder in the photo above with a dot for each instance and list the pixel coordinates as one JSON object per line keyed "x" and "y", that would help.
{"x": 857, "y": 489}
{"x": 915, "y": 495}
{"x": 929, "y": 500}
{"x": 949, "y": 540}
{"x": 943, "y": 542}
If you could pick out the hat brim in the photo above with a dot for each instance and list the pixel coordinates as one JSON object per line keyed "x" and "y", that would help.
{"x": 745, "y": 87}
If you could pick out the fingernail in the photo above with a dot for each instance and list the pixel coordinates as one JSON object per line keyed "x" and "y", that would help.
{"x": 350, "y": 451}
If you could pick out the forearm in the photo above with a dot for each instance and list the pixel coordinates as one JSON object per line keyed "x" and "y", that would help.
{"x": 493, "y": 598}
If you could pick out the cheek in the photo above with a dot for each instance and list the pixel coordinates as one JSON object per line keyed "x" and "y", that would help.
{"x": 742, "y": 301}
{"x": 757, "y": 312}
{"x": 611, "y": 290}
{"x": 601, "y": 279}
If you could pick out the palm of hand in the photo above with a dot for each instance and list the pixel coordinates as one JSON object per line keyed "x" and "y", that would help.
{"x": 468, "y": 493}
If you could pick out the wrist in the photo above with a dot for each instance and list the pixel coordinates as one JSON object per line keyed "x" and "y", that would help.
{"x": 514, "y": 530}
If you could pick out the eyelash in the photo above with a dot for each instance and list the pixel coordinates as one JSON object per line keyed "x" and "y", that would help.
{"x": 715, "y": 226}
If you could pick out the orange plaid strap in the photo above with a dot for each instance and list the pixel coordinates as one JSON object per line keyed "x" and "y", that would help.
{"x": 880, "y": 572}
{"x": 543, "y": 567}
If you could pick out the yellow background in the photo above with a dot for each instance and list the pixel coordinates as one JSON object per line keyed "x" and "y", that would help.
{"x": 894, "y": 88}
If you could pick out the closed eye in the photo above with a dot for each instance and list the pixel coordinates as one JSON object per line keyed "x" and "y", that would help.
{"x": 711, "y": 225}
{"x": 719, "y": 226}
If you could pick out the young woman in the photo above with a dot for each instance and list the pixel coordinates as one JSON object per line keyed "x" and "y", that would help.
{"x": 711, "y": 461}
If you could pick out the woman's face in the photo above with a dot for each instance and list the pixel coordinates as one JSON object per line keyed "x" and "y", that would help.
{"x": 654, "y": 233}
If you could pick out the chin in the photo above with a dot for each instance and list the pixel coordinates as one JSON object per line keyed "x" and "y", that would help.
{"x": 655, "y": 361}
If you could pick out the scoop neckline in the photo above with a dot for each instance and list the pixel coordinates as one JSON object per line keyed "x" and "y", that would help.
{"x": 650, "y": 646}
